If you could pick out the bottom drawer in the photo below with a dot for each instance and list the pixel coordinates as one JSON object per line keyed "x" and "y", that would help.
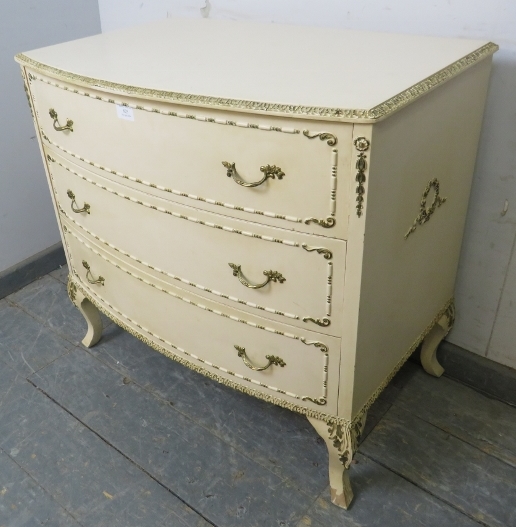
{"x": 251, "y": 351}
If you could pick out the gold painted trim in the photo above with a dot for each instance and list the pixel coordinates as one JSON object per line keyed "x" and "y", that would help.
{"x": 342, "y": 114}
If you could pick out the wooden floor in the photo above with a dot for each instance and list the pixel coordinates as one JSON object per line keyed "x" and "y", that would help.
{"x": 119, "y": 435}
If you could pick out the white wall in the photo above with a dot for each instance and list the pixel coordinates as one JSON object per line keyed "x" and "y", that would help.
{"x": 27, "y": 221}
{"x": 489, "y": 239}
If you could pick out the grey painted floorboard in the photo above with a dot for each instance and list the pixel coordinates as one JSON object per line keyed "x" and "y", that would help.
{"x": 23, "y": 503}
{"x": 93, "y": 482}
{"x": 228, "y": 487}
{"x": 61, "y": 274}
{"x": 461, "y": 475}
{"x": 485, "y": 423}
{"x": 25, "y": 344}
{"x": 47, "y": 300}
{"x": 383, "y": 499}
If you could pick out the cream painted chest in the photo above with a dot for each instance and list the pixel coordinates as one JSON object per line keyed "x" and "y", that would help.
{"x": 276, "y": 207}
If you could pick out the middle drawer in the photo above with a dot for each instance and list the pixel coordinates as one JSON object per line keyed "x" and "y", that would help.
{"x": 288, "y": 276}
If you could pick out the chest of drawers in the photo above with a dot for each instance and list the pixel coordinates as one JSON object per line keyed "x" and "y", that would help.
{"x": 284, "y": 215}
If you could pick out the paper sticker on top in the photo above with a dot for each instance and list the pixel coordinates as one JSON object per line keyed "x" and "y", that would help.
{"x": 124, "y": 112}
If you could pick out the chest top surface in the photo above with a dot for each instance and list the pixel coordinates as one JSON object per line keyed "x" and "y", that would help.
{"x": 278, "y": 69}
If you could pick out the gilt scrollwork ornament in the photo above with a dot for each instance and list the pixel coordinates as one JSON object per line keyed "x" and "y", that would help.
{"x": 327, "y": 254}
{"x": 426, "y": 213}
{"x": 324, "y": 322}
{"x": 450, "y": 314}
{"x": 326, "y": 223}
{"x": 330, "y": 139}
{"x": 27, "y": 93}
{"x": 362, "y": 145}
{"x": 345, "y": 437}
{"x": 72, "y": 290}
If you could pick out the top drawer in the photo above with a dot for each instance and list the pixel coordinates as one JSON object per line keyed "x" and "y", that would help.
{"x": 202, "y": 155}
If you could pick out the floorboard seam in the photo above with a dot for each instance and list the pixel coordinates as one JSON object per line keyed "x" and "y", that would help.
{"x": 122, "y": 454}
{"x": 41, "y": 486}
{"x": 452, "y": 435}
{"x": 478, "y": 390}
{"x": 426, "y": 491}
{"x": 197, "y": 423}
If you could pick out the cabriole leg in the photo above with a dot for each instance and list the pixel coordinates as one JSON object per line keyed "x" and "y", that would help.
{"x": 89, "y": 312}
{"x": 432, "y": 341}
{"x": 342, "y": 442}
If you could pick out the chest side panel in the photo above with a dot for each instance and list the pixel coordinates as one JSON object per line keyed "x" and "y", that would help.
{"x": 421, "y": 165}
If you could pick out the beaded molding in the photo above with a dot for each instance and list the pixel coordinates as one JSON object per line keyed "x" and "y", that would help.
{"x": 170, "y": 190}
{"x": 329, "y": 266}
{"x": 374, "y": 114}
{"x": 323, "y": 347}
{"x": 176, "y": 214}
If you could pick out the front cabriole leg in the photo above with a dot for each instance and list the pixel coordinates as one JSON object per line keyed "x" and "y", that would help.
{"x": 433, "y": 339}
{"x": 89, "y": 312}
{"x": 342, "y": 442}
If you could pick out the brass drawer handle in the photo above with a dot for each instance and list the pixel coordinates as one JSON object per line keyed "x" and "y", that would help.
{"x": 271, "y": 358}
{"x": 270, "y": 171}
{"x": 89, "y": 276}
{"x": 86, "y": 207}
{"x": 272, "y": 276}
{"x": 59, "y": 128}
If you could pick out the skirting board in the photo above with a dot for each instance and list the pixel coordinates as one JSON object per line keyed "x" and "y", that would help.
{"x": 31, "y": 269}
{"x": 484, "y": 375}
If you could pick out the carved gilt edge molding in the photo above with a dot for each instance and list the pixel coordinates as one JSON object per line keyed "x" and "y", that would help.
{"x": 426, "y": 213}
{"x": 378, "y": 112}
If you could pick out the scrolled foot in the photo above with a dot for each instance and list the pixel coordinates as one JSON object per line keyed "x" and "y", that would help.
{"x": 433, "y": 339}
{"x": 89, "y": 312}
{"x": 342, "y": 442}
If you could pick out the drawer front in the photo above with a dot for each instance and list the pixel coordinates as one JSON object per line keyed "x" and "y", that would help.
{"x": 302, "y": 366}
{"x": 181, "y": 151}
{"x": 281, "y": 273}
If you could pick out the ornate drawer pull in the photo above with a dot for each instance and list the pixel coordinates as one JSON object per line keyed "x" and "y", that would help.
{"x": 99, "y": 280}
{"x": 271, "y": 358}
{"x": 270, "y": 171}
{"x": 272, "y": 276}
{"x": 86, "y": 207}
{"x": 58, "y": 128}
